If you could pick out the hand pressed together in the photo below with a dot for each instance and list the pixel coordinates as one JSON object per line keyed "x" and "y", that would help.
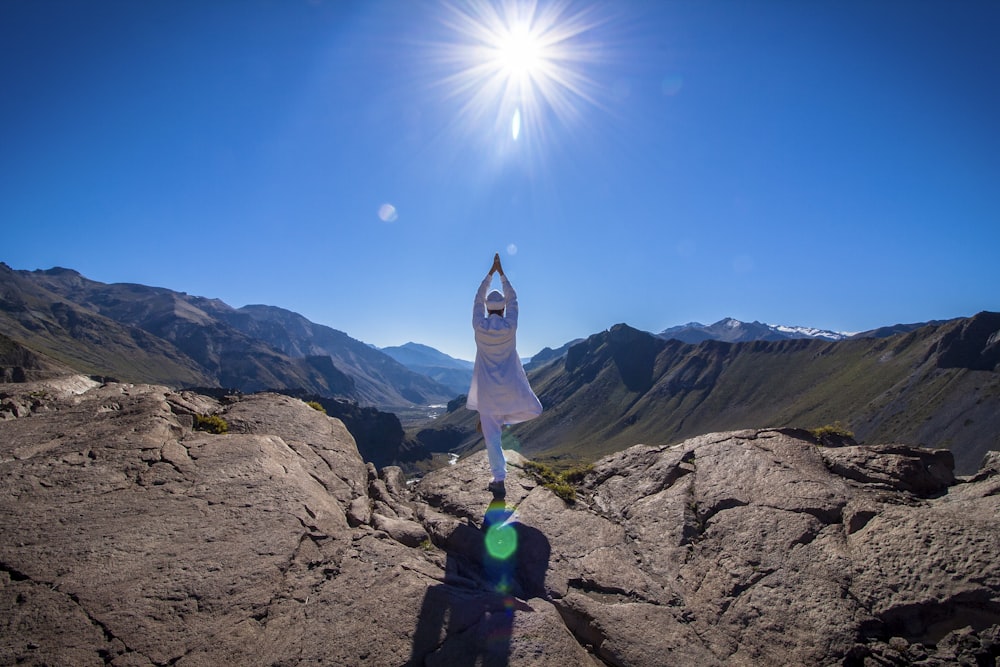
{"x": 497, "y": 267}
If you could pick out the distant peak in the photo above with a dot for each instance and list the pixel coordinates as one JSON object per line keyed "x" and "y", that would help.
{"x": 733, "y": 330}
{"x": 260, "y": 307}
{"x": 60, "y": 271}
{"x": 417, "y": 346}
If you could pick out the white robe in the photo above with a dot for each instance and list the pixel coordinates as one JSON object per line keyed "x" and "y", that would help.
{"x": 499, "y": 385}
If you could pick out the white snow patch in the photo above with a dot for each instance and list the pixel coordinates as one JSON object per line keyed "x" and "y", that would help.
{"x": 809, "y": 332}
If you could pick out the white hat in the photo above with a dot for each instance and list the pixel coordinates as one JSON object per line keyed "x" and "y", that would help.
{"x": 495, "y": 301}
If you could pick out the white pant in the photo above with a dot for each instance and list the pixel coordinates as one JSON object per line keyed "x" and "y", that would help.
{"x": 492, "y": 431}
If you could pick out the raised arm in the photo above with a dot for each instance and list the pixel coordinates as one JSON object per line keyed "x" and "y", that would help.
{"x": 479, "y": 305}
{"x": 510, "y": 314}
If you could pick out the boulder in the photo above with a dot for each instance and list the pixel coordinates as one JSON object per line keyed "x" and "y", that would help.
{"x": 410, "y": 533}
{"x": 924, "y": 472}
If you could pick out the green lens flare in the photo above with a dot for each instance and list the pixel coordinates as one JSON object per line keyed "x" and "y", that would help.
{"x": 501, "y": 541}
{"x": 509, "y": 441}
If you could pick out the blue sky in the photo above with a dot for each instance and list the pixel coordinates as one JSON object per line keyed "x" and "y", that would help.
{"x": 817, "y": 163}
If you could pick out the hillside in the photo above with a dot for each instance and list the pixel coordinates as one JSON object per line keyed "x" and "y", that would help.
{"x": 371, "y": 370}
{"x": 20, "y": 364}
{"x": 547, "y": 354}
{"x": 48, "y": 324}
{"x": 936, "y": 386}
{"x": 149, "y": 334}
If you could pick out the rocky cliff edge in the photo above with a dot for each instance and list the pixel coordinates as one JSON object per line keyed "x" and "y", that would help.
{"x": 130, "y": 538}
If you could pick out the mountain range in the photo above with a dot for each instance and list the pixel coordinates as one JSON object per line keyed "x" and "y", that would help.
{"x": 456, "y": 374}
{"x": 151, "y": 334}
{"x": 730, "y": 330}
{"x": 735, "y": 331}
{"x": 937, "y": 385}
{"x": 934, "y": 384}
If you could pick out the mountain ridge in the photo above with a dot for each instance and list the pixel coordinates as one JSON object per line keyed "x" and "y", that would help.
{"x": 937, "y": 385}
{"x": 732, "y": 330}
{"x": 456, "y": 374}
{"x": 183, "y": 340}
{"x": 49, "y": 324}
{"x": 934, "y": 384}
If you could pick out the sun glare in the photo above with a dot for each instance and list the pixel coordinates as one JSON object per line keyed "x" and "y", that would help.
{"x": 517, "y": 65}
{"x": 520, "y": 53}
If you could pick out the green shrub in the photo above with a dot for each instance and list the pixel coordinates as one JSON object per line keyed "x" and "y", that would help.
{"x": 560, "y": 483}
{"x": 211, "y": 423}
{"x": 563, "y": 490}
{"x": 543, "y": 472}
{"x": 578, "y": 474}
{"x": 832, "y": 434}
{"x": 316, "y": 406}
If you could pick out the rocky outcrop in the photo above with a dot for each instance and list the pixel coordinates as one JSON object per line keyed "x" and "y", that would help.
{"x": 130, "y": 538}
{"x": 973, "y": 344}
{"x": 379, "y": 435}
{"x": 20, "y": 364}
{"x": 766, "y": 555}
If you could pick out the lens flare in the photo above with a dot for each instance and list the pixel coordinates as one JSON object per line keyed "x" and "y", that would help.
{"x": 501, "y": 541}
{"x": 500, "y": 547}
{"x": 508, "y": 440}
{"x": 501, "y": 534}
{"x": 387, "y": 213}
{"x": 497, "y": 513}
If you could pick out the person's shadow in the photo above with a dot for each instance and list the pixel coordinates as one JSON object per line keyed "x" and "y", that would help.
{"x": 490, "y": 571}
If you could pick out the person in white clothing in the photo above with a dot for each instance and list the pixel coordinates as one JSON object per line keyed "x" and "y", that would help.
{"x": 500, "y": 391}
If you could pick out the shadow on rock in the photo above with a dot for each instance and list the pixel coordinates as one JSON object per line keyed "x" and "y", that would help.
{"x": 469, "y": 619}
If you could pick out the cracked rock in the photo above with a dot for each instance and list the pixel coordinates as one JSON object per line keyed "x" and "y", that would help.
{"x": 131, "y": 539}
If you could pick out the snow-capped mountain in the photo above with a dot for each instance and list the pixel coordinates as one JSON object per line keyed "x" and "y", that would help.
{"x": 810, "y": 332}
{"x": 734, "y": 331}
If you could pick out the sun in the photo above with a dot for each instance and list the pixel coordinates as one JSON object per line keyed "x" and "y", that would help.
{"x": 521, "y": 53}
{"x": 517, "y": 65}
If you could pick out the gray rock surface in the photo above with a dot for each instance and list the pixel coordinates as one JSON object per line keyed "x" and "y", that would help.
{"x": 129, "y": 538}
